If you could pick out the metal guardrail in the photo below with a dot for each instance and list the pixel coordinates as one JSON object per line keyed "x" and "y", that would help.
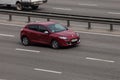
{"x": 67, "y": 17}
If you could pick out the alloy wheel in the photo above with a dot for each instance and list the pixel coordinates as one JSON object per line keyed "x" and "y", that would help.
{"x": 25, "y": 41}
{"x": 19, "y": 6}
{"x": 55, "y": 44}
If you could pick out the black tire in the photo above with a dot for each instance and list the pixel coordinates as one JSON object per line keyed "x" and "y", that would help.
{"x": 8, "y": 6}
{"x": 19, "y": 6}
{"x": 25, "y": 41}
{"x": 55, "y": 44}
{"x": 34, "y": 7}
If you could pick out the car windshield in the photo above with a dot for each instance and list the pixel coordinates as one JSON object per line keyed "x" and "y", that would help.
{"x": 56, "y": 28}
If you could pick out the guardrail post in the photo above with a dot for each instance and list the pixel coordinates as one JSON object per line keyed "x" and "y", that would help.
{"x": 111, "y": 27}
{"x": 10, "y": 17}
{"x": 29, "y": 19}
{"x": 68, "y": 23}
{"x": 48, "y": 19}
{"x": 89, "y": 25}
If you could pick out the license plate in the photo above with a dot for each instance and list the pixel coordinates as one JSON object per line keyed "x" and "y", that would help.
{"x": 74, "y": 40}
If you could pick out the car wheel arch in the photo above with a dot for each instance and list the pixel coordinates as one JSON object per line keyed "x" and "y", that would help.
{"x": 53, "y": 39}
{"x": 24, "y": 36}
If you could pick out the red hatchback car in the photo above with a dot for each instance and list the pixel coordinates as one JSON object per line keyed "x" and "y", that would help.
{"x": 49, "y": 33}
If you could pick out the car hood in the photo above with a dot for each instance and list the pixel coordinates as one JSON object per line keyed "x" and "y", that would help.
{"x": 67, "y": 33}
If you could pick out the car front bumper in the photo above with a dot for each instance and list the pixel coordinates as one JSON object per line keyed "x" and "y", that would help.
{"x": 71, "y": 42}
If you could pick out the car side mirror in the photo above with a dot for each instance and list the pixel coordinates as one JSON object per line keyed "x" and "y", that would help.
{"x": 46, "y": 32}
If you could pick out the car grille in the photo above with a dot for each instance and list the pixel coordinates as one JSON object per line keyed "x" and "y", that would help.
{"x": 73, "y": 41}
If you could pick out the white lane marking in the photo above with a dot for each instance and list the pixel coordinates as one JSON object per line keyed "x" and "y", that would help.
{"x": 11, "y": 25}
{"x": 83, "y": 4}
{"x": 7, "y": 35}
{"x": 44, "y": 70}
{"x": 100, "y": 60}
{"x": 99, "y": 34}
{"x": 65, "y": 9}
{"x": 115, "y": 13}
{"x": 2, "y": 79}
{"x": 18, "y": 49}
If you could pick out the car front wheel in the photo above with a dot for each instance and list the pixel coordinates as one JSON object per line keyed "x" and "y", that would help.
{"x": 55, "y": 44}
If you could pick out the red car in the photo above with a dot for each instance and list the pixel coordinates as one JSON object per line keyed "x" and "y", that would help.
{"x": 49, "y": 33}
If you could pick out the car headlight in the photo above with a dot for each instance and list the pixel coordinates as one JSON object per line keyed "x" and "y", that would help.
{"x": 62, "y": 37}
{"x": 78, "y": 34}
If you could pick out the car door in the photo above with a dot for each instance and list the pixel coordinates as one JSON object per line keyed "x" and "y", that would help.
{"x": 33, "y": 33}
{"x": 43, "y": 37}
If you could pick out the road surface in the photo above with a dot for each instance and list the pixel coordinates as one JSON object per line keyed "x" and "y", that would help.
{"x": 96, "y": 58}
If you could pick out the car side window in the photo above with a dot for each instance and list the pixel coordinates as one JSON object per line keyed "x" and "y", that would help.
{"x": 33, "y": 27}
{"x": 42, "y": 28}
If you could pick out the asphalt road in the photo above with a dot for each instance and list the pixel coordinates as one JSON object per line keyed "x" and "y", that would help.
{"x": 96, "y": 58}
{"x": 101, "y": 8}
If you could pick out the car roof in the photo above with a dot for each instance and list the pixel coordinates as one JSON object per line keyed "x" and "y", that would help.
{"x": 42, "y": 23}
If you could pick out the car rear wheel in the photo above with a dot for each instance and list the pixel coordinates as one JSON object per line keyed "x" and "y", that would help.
{"x": 25, "y": 41}
{"x": 19, "y": 6}
{"x": 55, "y": 44}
